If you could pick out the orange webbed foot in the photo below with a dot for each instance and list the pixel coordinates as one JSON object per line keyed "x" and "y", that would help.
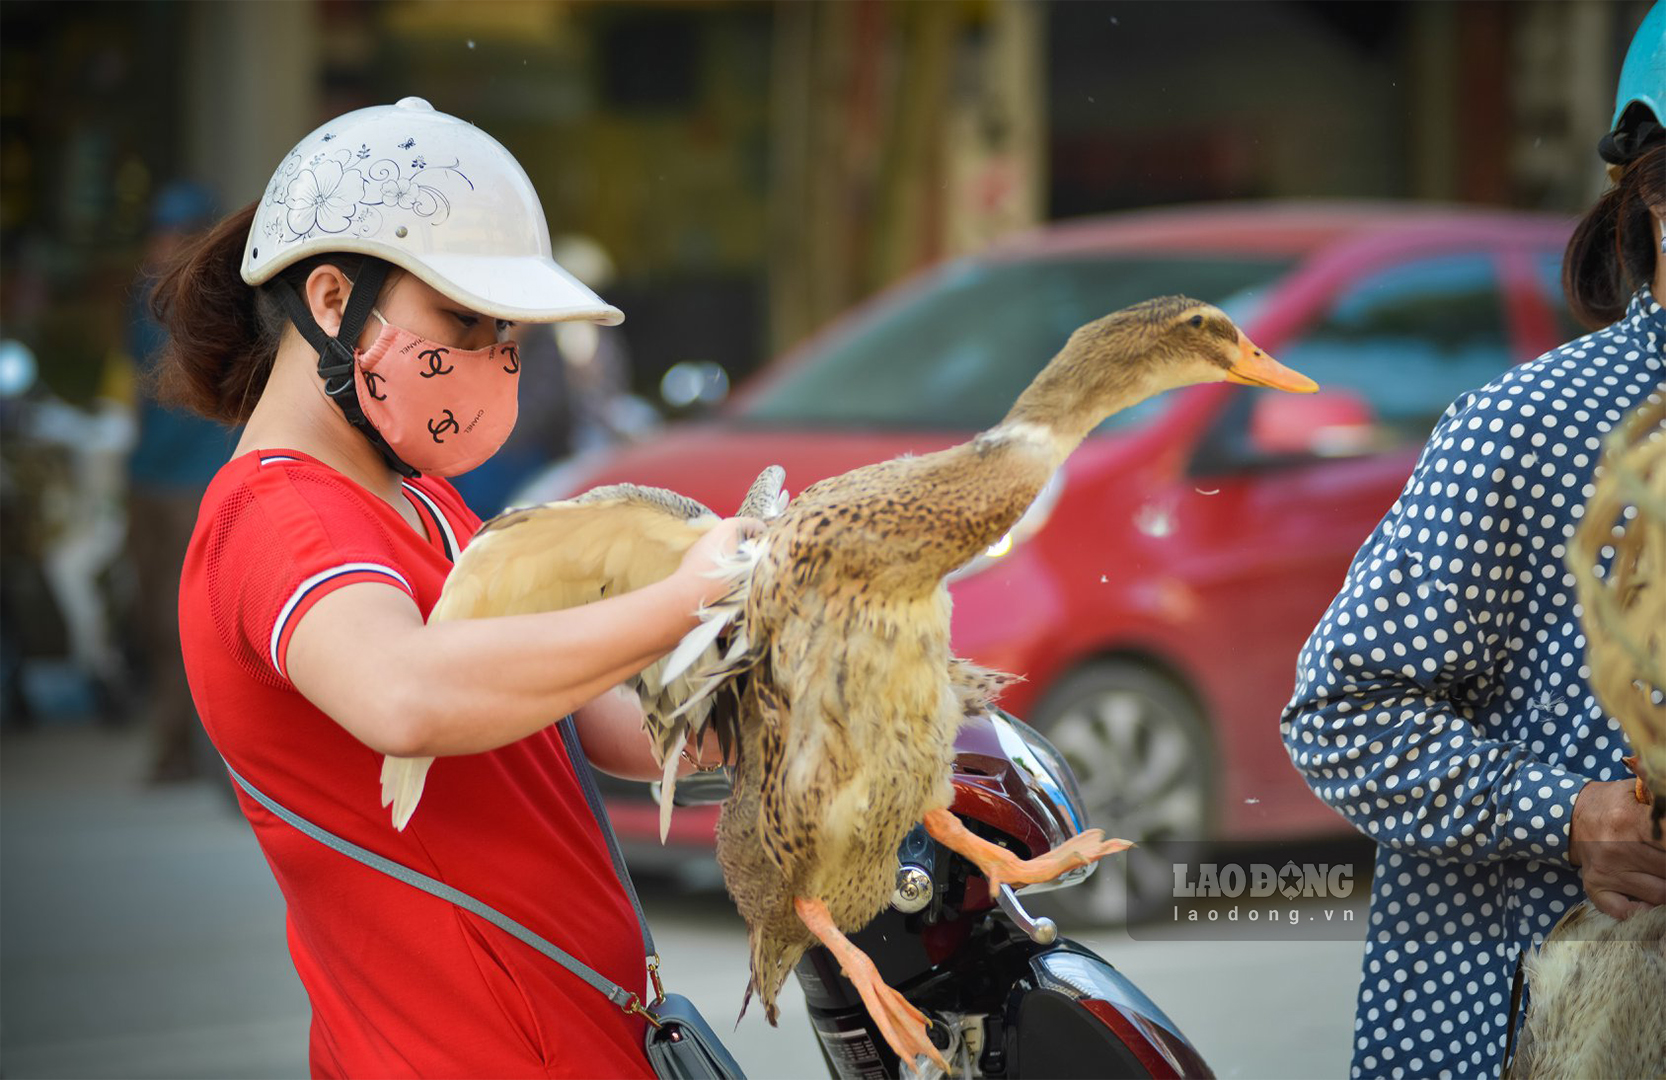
{"x": 1080, "y": 850}
{"x": 903, "y": 1026}
{"x": 1001, "y": 866}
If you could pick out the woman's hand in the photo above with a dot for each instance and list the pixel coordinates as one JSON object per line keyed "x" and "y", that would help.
{"x": 1622, "y": 868}
{"x": 700, "y": 561}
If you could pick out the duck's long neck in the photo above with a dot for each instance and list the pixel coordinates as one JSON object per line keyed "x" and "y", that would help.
{"x": 1057, "y": 410}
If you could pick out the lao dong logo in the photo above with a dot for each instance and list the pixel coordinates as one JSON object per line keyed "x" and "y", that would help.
{"x": 1233, "y": 888}
{"x": 1233, "y": 880}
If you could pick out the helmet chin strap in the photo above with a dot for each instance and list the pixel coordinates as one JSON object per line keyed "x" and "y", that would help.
{"x": 1622, "y": 147}
{"x": 335, "y": 354}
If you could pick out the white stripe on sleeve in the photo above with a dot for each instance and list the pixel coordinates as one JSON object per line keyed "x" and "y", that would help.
{"x": 312, "y": 583}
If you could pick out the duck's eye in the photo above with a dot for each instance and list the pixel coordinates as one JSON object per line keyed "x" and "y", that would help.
{"x": 1196, "y": 320}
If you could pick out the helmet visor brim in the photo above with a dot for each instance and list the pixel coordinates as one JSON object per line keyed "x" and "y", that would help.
{"x": 526, "y": 288}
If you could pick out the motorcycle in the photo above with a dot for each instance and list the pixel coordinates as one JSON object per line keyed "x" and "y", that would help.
{"x": 1006, "y": 995}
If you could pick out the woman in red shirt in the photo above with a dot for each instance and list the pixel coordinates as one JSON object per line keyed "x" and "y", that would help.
{"x": 320, "y": 549}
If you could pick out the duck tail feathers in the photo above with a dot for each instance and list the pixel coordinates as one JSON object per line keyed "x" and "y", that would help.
{"x": 402, "y": 783}
{"x": 668, "y": 785}
{"x": 746, "y": 999}
{"x": 976, "y": 686}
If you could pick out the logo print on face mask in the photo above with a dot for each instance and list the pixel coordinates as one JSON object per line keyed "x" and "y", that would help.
{"x": 435, "y": 358}
{"x": 514, "y": 355}
{"x": 436, "y": 427}
{"x": 370, "y": 378}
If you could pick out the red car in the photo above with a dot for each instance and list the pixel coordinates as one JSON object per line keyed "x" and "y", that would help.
{"x": 1156, "y": 595}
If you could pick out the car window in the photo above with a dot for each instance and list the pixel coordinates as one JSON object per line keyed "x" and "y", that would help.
{"x": 1549, "y": 266}
{"x": 956, "y": 353}
{"x": 1398, "y": 346}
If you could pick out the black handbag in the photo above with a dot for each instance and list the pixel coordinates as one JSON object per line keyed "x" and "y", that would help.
{"x": 684, "y": 1046}
{"x": 680, "y": 1044}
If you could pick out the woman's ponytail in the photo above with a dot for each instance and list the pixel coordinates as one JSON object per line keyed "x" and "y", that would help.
{"x": 220, "y": 343}
{"x": 1612, "y": 252}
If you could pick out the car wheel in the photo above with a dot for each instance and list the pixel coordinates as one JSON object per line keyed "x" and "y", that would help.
{"x": 1145, "y": 762}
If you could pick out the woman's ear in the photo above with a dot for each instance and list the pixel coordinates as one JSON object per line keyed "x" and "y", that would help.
{"x": 326, "y": 294}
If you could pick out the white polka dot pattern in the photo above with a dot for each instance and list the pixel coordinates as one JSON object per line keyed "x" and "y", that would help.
{"x": 1442, "y": 703}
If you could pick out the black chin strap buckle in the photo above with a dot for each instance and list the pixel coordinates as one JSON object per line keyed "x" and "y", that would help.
{"x": 335, "y": 367}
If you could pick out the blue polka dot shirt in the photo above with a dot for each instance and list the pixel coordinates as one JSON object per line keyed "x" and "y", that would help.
{"x": 1442, "y": 703}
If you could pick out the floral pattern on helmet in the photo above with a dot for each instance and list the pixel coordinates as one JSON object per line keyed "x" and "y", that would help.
{"x": 345, "y": 192}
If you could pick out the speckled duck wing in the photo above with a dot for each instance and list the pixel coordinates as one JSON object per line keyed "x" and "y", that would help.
{"x": 608, "y": 541}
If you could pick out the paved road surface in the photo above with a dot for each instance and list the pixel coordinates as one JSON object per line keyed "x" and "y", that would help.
{"x": 141, "y": 935}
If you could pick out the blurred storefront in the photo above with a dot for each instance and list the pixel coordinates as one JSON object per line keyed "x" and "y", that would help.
{"x": 754, "y": 168}
{"x": 743, "y": 171}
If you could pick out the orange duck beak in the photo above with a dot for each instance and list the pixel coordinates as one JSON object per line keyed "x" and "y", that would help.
{"x": 1255, "y": 368}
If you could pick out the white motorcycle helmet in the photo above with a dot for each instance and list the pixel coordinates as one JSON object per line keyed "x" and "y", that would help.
{"x": 426, "y": 192}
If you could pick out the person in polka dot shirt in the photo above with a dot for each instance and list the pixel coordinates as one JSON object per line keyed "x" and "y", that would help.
{"x": 1442, "y": 703}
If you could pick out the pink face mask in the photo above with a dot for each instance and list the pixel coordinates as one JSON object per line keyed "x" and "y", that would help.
{"x": 442, "y": 410}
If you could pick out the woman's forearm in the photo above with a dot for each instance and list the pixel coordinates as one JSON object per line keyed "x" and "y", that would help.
{"x": 610, "y": 729}
{"x": 417, "y": 690}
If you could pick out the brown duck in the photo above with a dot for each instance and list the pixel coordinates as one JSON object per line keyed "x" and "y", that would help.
{"x": 835, "y": 646}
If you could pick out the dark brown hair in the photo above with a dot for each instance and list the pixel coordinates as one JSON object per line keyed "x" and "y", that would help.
{"x": 1612, "y": 252}
{"x": 223, "y": 333}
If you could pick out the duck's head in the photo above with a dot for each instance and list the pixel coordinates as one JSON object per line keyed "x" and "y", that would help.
{"x": 1169, "y": 342}
{"x": 1133, "y": 354}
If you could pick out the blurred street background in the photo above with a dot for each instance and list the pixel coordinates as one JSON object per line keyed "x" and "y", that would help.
{"x": 144, "y": 937}
{"x": 1377, "y": 191}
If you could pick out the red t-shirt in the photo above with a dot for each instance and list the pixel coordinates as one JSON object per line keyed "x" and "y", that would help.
{"x": 402, "y": 983}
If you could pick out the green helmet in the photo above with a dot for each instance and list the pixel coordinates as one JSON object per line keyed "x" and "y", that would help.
{"x": 1640, "y": 102}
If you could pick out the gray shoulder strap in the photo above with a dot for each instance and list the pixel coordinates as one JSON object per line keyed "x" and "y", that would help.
{"x": 614, "y": 992}
{"x": 587, "y": 781}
